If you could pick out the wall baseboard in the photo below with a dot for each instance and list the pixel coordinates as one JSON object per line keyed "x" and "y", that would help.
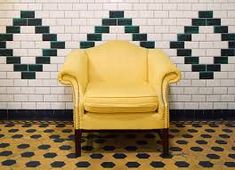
{"x": 175, "y": 115}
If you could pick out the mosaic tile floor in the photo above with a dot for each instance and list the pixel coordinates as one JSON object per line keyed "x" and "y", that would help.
{"x": 49, "y": 145}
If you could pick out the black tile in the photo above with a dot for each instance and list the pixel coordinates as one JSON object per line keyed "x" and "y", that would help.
{"x": 191, "y": 60}
{"x": 147, "y": 44}
{"x": 198, "y": 22}
{"x": 35, "y": 67}
{"x": 49, "y": 37}
{"x": 83, "y": 164}
{"x": 27, "y": 154}
{"x": 125, "y": 21}
{"x": 108, "y": 21}
{"x": 228, "y": 37}
{"x": 191, "y": 29}
{"x": 227, "y": 52}
{"x": 206, "y": 164}
{"x": 9, "y": 162}
{"x": 205, "y": 14}
{"x": 132, "y": 164}
{"x": 184, "y": 52}
{"x": 2, "y": 44}
{"x": 119, "y": 156}
{"x": 213, "y": 156}
{"x": 57, "y": 164}
{"x": 184, "y": 37}
{"x": 221, "y": 60}
{"x": 231, "y": 44}
{"x": 157, "y": 164}
{"x": 94, "y": 37}
{"x": 116, "y": 14}
{"x": 19, "y": 22}
{"x": 12, "y": 29}
{"x": 58, "y": 44}
{"x": 27, "y": 14}
{"x": 42, "y": 60}
{"x": 101, "y": 29}
{"x": 20, "y": 67}
{"x": 199, "y": 67}
{"x": 28, "y": 75}
{"x": 139, "y": 37}
{"x": 96, "y": 156}
{"x": 206, "y": 75}
{"x": 220, "y": 29}
{"x": 42, "y": 29}
{"x": 34, "y": 22}
{"x": 49, "y": 52}
{"x": 33, "y": 164}
{"x": 230, "y": 164}
{"x": 176, "y": 44}
{"x": 6, "y": 37}
{"x": 142, "y": 155}
{"x": 86, "y": 44}
{"x": 214, "y": 21}
{"x": 107, "y": 164}
{"x": 213, "y": 67}
{"x": 181, "y": 164}
{"x": 6, "y": 52}
{"x": 5, "y": 153}
{"x": 131, "y": 29}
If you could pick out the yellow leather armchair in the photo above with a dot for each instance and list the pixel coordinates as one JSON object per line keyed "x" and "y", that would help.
{"x": 119, "y": 86}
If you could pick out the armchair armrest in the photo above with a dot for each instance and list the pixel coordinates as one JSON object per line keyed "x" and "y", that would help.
{"x": 162, "y": 72}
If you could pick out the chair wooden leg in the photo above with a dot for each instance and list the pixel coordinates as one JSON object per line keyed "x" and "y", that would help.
{"x": 165, "y": 142}
{"x": 78, "y": 135}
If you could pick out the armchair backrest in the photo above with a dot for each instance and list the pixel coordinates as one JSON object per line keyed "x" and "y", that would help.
{"x": 117, "y": 61}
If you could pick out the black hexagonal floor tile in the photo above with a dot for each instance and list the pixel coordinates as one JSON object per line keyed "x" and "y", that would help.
{"x": 72, "y": 155}
{"x": 221, "y": 142}
{"x": 157, "y": 164}
{"x": 27, "y": 154}
{"x": 231, "y": 156}
{"x": 210, "y": 130}
{"x": 187, "y": 136}
{"x": 83, "y": 164}
{"x": 48, "y": 130}
{"x": 17, "y": 136}
{"x": 87, "y": 148}
{"x": 108, "y": 148}
{"x": 8, "y": 162}
{"x": 4, "y": 145}
{"x": 132, "y": 164}
{"x": 192, "y": 130}
{"x": 142, "y": 155}
{"x": 13, "y": 130}
{"x": 229, "y": 164}
{"x": 217, "y": 149}
{"x": 5, "y": 153}
{"x": 65, "y": 147}
{"x": 206, "y": 136}
{"x": 44, "y": 147}
{"x": 225, "y": 136}
{"x": 206, "y": 164}
{"x": 23, "y": 146}
{"x": 31, "y": 130}
{"x": 107, "y": 164}
{"x": 119, "y": 155}
{"x": 182, "y": 142}
{"x": 57, "y": 164}
{"x": 182, "y": 164}
{"x": 96, "y": 156}
{"x": 196, "y": 149}
{"x": 213, "y": 156}
{"x": 36, "y": 136}
{"x": 201, "y": 142}
{"x": 227, "y": 130}
{"x": 33, "y": 164}
{"x": 50, "y": 155}
{"x": 175, "y": 149}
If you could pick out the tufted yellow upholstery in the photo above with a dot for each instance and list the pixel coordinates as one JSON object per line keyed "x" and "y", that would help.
{"x": 119, "y": 85}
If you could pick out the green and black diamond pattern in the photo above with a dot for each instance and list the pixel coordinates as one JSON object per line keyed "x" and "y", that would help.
{"x": 116, "y": 18}
{"x": 28, "y": 71}
{"x": 206, "y": 71}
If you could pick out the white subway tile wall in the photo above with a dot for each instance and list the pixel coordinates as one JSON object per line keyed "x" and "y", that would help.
{"x": 198, "y": 35}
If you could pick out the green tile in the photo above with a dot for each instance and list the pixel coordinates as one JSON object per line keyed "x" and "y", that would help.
{"x": 206, "y": 75}
{"x": 28, "y": 75}
{"x": 184, "y": 52}
{"x": 177, "y": 44}
{"x": 213, "y": 67}
{"x": 6, "y": 52}
{"x": 21, "y": 67}
{"x": 116, "y": 14}
{"x": 221, "y": 60}
{"x": 19, "y": 22}
{"x": 13, "y": 60}
{"x": 49, "y": 37}
{"x": 34, "y": 22}
{"x": 213, "y": 21}
{"x": 191, "y": 60}
{"x": 184, "y": 37}
{"x": 205, "y": 14}
{"x": 132, "y": 29}
{"x": 198, "y": 22}
{"x": 231, "y": 44}
{"x": 109, "y": 21}
{"x": 139, "y": 37}
{"x": 2, "y": 44}
{"x": 42, "y": 29}
{"x": 228, "y": 52}
{"x": 228, "y": 37}
{"x": 49, "y": 52}
{"x": 101, "y": 29}
{"x": 199, "y": 67}
{"x": 43, "y": 60}
{"x": 58, "y": 44}
{"x": 13, "y": 29}
{"x": 220, "y": 29}
{"x": 35, "y": 67}
{"x": 191, "y": 29}
{"x": 125, "y": 21}
{"x": 86, "y": 44}
{"x": 6, "y": 37}
{"x": 27, "y": 14}
{"x": 147, "y": 44}
{"x": 94, "y": 37}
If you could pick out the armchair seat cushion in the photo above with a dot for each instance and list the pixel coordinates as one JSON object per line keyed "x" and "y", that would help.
{"x": 118, "y": 98}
